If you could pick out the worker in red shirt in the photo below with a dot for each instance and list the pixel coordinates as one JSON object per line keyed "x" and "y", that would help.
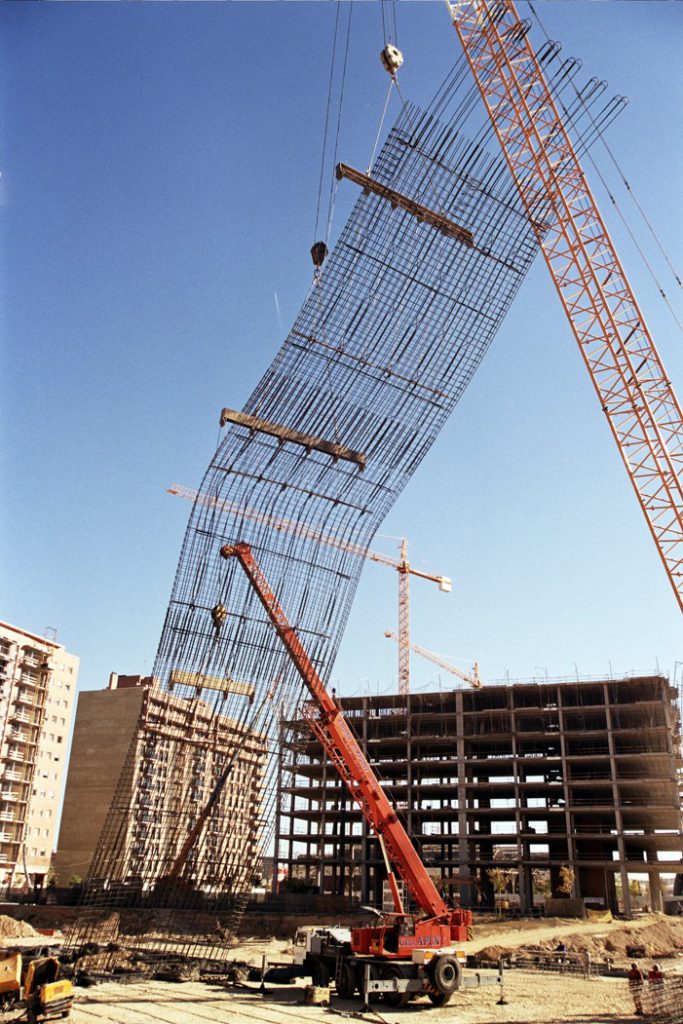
{"x": 635, "y": 984}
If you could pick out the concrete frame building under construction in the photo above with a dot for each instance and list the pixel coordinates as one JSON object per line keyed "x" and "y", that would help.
{"x": 533, "y": 777}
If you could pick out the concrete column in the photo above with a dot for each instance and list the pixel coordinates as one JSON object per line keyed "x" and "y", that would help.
{"x": 323, "y": 823}
{"x": 618, "y": 818}
{"x": 524, "y": 883}
{"x": 571, "y": 859}
{"x": 278, "y": 799}
{"x": 365, "y": 841}
{"x": 467, "y": 896}
{"x": 656, "y": 903}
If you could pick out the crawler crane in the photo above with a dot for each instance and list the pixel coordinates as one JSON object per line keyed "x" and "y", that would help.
{"x": 632, "y": 385}
{"x": 404, "y": 954}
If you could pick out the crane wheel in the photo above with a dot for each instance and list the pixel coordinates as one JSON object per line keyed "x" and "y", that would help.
{"x": 346, "y": 986}
{"x": 395, "y": 999}
{"x": 320, "y": 974}
{"x": 446, "y": 974}
{"x": 440, "y": 998}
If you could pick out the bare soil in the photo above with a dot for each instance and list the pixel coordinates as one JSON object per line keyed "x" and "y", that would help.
{"x": 530, "y": 997}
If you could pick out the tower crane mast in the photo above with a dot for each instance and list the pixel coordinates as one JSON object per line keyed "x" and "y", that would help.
{"x": 633, "y": 388}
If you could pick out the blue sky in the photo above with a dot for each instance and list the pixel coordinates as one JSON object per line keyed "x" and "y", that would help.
{"x": 159, "y": 182}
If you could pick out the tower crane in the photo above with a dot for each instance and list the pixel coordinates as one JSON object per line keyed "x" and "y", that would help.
{"x": 633, "y": 388}
{"x": 472, "y": 678}
{"x": 402, "y": 565}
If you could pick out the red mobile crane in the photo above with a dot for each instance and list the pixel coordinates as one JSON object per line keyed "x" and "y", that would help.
{"x": 417, "y": 950}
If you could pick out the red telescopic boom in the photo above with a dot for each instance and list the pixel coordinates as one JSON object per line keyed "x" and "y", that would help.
{"x": 329, "y": 725}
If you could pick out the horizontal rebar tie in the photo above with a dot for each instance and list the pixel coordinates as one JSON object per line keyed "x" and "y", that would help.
{"x": 422, "y": 213}
{"x": 337, "y": 451}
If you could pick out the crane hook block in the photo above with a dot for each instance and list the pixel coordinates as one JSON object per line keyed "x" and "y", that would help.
{"x": 319, "y": 254}
{"x": 391, "y": 58}
{"x": 218, "y": 615}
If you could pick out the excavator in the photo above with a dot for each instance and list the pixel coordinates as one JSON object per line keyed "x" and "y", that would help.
{"x": 403, "y": 954}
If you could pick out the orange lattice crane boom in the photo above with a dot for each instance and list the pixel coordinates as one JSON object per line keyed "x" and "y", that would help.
{"x": 633, "y": 388}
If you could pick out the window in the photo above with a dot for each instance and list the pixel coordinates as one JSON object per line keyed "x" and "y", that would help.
{"x": 59, "y": 739}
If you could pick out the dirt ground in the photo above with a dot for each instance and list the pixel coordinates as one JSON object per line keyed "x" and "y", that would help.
{"x": 530, "y": 997}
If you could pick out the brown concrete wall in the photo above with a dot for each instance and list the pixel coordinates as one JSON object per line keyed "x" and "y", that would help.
{"x": 105, "y": 725}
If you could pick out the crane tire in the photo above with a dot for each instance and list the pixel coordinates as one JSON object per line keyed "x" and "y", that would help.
{"x": 446, "y": 975}
{"x": 395, "y": 999}
{"x": 320, "y": 974}
{"x": 347, "y": 984}
{"x": 440, "y": 998}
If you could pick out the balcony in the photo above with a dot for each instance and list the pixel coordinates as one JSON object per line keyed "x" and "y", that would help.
{"x": 7, "y": 816}
{"x": 25, "y": 698}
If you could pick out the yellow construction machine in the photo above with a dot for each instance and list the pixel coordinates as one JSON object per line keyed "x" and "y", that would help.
{"x": 31, "y": 986}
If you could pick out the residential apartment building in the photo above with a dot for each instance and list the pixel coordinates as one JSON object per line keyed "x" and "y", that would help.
{"x": 38, "y": 680}
{"x": 163, "y": 774}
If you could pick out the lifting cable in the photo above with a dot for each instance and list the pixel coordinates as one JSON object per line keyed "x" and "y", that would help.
{"x": 327, "y": 120}
{"x": 334, "y": 183}
{"x": 600, "y": 135}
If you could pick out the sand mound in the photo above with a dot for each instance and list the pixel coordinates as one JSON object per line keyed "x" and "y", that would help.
{"x": 661, "y": 939}
{"x": 492, "y": 954}
{"x": 11, "y": 929}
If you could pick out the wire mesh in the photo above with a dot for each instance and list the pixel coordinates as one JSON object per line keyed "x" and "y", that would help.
{"x": 388, "y": 338}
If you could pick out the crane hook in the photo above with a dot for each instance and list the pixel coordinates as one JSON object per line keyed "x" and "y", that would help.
{"x": 391, "y": 58}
